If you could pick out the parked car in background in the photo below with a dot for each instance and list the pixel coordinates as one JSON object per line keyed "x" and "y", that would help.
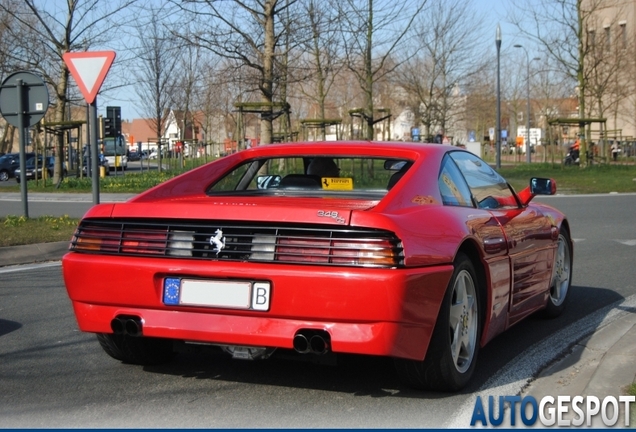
{"x": 46, "y": 164}
{"x": 418, "y": 252}
{"x": 9, "y": 163}
{"x": 102, "y": 162}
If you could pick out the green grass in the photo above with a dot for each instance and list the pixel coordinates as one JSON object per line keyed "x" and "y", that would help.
{"x": 573, "y": 179}
{"x": 120, "y": 183}
{"x": 631, "y": 391}
{"x": 18, "y": 230}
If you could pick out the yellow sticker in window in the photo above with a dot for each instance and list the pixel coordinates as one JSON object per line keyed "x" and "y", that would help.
{"x": 336, "y": 183}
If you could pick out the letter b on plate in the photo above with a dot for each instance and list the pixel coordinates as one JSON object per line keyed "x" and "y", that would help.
{"x": 260, "y": 296}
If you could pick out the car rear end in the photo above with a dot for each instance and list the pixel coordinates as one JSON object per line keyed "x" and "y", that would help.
{"x": 241, "y": 261}
{"x": 252, "y": 283}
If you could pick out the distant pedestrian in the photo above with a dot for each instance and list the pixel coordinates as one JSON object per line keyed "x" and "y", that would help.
{"x": 615, "y": 151}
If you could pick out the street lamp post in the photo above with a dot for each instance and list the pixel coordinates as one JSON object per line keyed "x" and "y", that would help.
{"x": 528, "y": 156}
{"x": 498, "y": 129}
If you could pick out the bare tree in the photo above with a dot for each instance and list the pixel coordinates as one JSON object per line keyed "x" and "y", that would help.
{"x": 372, "y": 34}
{"x": 188, "y": 74}
{"x": 551, "y": 90}
{"x": 322, "y": 60}
{"x": 249, "y": 32}
{"x": 451, "y": 54}
{"x": 76, "y": 26}
{"x": 8, "y": 63}
{"x": 159, "y": 55}
{"x": 560, "y": 28}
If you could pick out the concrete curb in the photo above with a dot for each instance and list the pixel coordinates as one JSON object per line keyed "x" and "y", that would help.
{"x": 27, "y": 254}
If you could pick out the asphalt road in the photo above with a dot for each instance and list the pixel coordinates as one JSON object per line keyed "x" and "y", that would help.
{"x": 51, "y": 375}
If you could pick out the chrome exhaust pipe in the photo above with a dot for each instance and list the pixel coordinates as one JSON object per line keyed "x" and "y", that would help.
{"x": 301, "y": 344}
{"x": 318, "y": 345}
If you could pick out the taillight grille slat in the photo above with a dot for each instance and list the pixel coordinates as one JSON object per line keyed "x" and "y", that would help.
{"x": 302, "y": 244}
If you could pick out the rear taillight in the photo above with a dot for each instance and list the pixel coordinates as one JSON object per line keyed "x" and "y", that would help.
{"x": 144, "y": 242}
{"x": 303, "y": 250}
{"x": 367, "y": 252}
{"x": 95, "y": 240}
{"x": 312, "y": 245}
{"x": 364, "y": 253}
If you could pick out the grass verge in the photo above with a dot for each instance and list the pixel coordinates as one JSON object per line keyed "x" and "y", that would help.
{"x": 631, "y": 391}
{"x": 573, "y": 179}
{"x": 18, "y": 230}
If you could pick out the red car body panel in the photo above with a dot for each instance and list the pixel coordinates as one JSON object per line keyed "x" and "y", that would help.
{"x": 381, "y": 315}
{"x": 389, "y": 312}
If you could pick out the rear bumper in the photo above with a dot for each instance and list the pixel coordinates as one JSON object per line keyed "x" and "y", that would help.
{"x": 388, "y": 312}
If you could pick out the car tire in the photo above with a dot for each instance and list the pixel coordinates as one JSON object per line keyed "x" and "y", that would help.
{"x": 136, "y": 350}
{"x": 452, "y": 353}
{"x": 4, "y": 175}
{"x": 561, "y": 277}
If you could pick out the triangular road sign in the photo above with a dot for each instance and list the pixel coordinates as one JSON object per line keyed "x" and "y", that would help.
{"x": 89, "y": 70}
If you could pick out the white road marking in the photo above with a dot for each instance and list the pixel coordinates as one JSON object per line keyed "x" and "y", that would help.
{"x": 18, "y": 268}
{"x": 627, "y": 242}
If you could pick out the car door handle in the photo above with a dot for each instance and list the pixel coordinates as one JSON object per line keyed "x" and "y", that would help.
{"x": 495, "y": 244}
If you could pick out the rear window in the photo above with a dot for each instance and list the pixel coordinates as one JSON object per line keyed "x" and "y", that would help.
{"x": 312, "y": 175}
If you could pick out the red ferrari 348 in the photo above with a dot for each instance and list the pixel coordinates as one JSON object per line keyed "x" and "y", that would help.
{"x": 418, "y": 252}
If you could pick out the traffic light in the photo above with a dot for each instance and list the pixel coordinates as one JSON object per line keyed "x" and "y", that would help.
{"x": 114, "y": 114}
{"x": 107, "y": 127}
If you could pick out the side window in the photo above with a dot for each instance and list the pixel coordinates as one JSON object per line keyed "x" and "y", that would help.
{"x": 452, "y": 185}
{"x": 234, "y": 179}
{"x": 489, "y": 189}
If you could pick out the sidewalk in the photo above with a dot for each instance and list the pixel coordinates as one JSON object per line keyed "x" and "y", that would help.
{"x": 601, "y": 365}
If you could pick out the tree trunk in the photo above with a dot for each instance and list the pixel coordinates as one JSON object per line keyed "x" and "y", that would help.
{"x": 268, "y": 71}
{"x": 60, "y": 116}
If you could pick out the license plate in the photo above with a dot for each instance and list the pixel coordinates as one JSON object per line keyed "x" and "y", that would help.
{"x": 245, "y": 295}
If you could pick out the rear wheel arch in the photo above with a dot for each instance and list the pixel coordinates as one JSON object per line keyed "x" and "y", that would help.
{"x": 470, "y": 249}
{"x": 455, "y": 342}
{"x": 565, "y": 225}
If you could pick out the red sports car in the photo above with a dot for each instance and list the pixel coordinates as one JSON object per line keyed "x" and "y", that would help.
{"x": 419, "y": 252}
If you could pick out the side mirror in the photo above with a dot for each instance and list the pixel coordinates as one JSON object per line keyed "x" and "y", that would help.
{"x": 267, "y": 181}
{"x": 542, "y": 186}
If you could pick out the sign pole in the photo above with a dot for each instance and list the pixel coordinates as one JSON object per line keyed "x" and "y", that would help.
{"x": 21, "y": 130}
{"x": 23, "y": 107}
{"x": 95, "y": 171}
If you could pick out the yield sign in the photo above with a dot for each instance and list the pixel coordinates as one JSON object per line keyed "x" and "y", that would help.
{"x": 89, "y": 70}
